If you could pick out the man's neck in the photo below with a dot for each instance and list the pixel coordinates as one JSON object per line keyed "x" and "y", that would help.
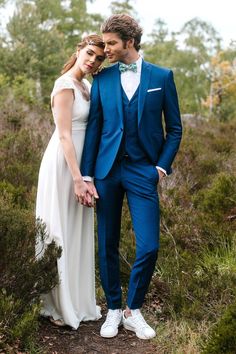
{"x": 131, "y": 57}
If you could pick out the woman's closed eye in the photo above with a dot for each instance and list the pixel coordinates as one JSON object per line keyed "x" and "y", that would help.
{"x": 99, "y": 58}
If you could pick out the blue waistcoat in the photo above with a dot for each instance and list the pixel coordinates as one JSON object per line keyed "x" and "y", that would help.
{"x": 130, "y": 143}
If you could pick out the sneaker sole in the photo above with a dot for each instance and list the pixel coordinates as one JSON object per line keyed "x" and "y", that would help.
{"x": 137, "y": 334}
{"x": 109, "y": 336}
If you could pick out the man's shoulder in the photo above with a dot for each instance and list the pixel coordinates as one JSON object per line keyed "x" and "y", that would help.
{"x": 158, "y": 68}
{"x": 107, "y": 71}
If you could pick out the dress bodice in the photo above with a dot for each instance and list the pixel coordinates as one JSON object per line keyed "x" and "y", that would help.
{"x": 81, "y": 106}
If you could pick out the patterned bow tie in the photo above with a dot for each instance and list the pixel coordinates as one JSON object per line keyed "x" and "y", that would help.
{"x": 124, "y": 67}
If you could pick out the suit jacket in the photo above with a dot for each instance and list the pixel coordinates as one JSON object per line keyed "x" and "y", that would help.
{"x": 157, "y": 99}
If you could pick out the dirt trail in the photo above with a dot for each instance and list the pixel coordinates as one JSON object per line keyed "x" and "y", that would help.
{"x": 86, "y": 339}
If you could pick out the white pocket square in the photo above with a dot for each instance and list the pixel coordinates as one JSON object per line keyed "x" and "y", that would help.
{"x": 154, "y": 89}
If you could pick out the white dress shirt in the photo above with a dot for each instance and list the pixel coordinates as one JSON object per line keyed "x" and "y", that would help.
{"x": 131, "y": 80}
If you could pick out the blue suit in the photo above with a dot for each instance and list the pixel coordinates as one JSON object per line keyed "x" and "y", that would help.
{"x": 124, "y": 142}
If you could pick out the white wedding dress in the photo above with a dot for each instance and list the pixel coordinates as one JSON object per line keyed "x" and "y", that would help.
{"x": 69, "y": 223}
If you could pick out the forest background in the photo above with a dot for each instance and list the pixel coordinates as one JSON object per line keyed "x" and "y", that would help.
{"x": 192, "y": 296}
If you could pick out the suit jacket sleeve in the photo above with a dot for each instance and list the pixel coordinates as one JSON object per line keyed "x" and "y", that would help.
{"x": 173, "y": 124}
{"x": 93, "y": 132}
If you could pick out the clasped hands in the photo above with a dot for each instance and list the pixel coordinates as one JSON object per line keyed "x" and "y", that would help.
{"x": 85, "y": 193}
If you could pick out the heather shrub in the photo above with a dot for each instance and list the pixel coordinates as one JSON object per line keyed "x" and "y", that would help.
{"x": 222, "y": 337}
{"x": 23, "y": 277}
{"x": 20, "y": 157}
{"x": 219, "y": 198}
{"x": 195, "y": 275}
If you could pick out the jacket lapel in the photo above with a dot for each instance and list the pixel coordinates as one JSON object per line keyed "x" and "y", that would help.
{"x": 115, "y": 88}
{"x": 144, "y": 82}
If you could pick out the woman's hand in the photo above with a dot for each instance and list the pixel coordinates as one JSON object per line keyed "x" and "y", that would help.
{"x": 85, "y": 192}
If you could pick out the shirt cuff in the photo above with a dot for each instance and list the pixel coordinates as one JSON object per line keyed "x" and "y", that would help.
{"x": 162, "y": 170}
{"x": 87, "y": 178}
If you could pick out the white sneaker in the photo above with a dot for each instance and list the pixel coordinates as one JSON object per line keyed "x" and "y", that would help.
{"x": 137, "y": 324}
{"x": 109, "y": 328}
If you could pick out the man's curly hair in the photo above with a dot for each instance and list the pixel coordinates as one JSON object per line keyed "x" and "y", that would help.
{"x": 125, "y": 27}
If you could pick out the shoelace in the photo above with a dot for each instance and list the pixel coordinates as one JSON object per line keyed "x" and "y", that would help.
{"x": 111, "y": 317}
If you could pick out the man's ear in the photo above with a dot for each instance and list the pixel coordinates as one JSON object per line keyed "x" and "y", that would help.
{"x": 130, "y": 43}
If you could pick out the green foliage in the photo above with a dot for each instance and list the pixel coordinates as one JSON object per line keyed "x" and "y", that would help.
{"x": 41, "y": 37}
{"x": 4, "y": 81}
{"x": 222, "y": 336}
{"x": 195, "y": 276}
{"x": 24, "y": 89}
{"x": 20, "y": 157}
{"x": 190, "y": 62}
{"x": 123, "y": 6}
{"x": 23, "y": 277}
{"x": 221, "y": 98}
{"x": 220, "y": 197}
{"x": 14, "y": 195}
{"x": 17, "y": 324}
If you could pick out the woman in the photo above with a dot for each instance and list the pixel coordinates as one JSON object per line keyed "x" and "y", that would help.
{"x": 61, "y": 188}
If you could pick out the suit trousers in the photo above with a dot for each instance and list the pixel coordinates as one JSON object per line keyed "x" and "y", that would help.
{"x": 138, "y": 180}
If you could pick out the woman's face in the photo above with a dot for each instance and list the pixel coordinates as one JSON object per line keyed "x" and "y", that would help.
{"x": 90, "y": 58}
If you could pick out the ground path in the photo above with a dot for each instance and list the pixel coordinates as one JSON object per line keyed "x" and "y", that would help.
{"x": 60, "y": 340}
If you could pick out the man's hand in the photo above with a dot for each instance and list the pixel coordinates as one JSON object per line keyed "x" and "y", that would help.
{"x": 161, "y": 174}
{"x": 91, "y": 194}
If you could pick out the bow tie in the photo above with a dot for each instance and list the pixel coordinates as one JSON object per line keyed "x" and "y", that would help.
{"x": 125, "y": 67}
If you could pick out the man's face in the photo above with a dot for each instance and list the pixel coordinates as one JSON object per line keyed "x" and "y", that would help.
{"x": 115, "y": 48}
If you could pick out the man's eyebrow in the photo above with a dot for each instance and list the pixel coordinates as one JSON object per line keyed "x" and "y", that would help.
{"x": 111, "y": 41}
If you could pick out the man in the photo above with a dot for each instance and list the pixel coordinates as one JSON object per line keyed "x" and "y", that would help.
{"x": 127, "y": 152}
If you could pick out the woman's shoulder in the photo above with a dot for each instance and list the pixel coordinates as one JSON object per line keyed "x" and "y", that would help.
{"x": 64, "y": 80}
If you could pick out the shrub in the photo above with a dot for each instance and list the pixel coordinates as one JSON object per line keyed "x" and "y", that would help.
{"x": 219, "y": 198}
{"x": 16, "y": 195}
{"x": 23, "y": 278}
{"x": 20, "y": 157}
{"x": 222, "y": 336}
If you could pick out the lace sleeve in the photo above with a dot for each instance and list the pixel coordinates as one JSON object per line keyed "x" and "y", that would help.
{"x": 61, "y": 83}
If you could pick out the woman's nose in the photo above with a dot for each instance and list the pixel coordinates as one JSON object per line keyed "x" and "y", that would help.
{"x": 92, "y": 59}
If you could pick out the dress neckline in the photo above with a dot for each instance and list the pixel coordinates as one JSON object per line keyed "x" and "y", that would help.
{"x": 81, "y": 86}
